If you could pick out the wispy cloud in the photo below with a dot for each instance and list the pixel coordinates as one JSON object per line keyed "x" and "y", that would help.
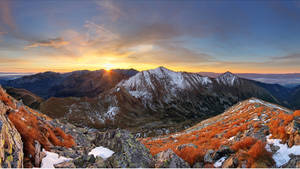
{"x": 112, "y": 9}
{"x": 290, "y": 57}
{"x": 6, "y": 14}
{"x": 55, "y": 43}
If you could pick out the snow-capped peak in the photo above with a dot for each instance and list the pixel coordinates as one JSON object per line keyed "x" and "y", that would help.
{"x": 227, "y": 78}
{"x": 162, "y": 79}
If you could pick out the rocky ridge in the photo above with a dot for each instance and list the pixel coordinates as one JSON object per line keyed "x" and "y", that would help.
{"x": 253, "y": 133}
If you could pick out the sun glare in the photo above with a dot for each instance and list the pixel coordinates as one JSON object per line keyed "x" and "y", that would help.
{"x": 108, "y": 66}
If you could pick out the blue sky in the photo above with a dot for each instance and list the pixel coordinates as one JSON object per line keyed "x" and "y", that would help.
{"x": 65, "y": 35}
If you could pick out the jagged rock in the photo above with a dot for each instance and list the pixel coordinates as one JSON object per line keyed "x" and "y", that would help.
{"x": 11, "y": 146}
{"x": 294, "y": 162}
{"x": 67, "y": 164}
{"x": 208, "y": 157}
{"x": 297, "y": 123}
{"x": 274, "y": 148}
{"x": 297, "y": 140}
{"x": 186, "y": 145}
{"x": 231, "y": 162}
{"x": 128, "y": 151}
{"x": 291, "y": 141}
{"x": 168, "y": 159}
{"x": 261, "y": 133}
{"x": 198, "y": 165}
{"x": 223, "y": 151}
{"x": 84, "y": 161}
{"x": 38, "y": 154}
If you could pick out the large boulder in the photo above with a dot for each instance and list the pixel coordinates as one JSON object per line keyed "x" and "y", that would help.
{"x": 168, "y": 159}
{"x": 11, "y": 146}
{"x": 129, "y": 152}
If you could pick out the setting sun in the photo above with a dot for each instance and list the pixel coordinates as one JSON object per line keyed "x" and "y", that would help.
{"x": 108, "y": 66}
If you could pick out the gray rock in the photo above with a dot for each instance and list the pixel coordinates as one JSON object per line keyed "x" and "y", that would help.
{"x": 187, "y": 145}
{"x": 294, "y": 162}
{"x": 297, "y": 123}
{"x": 208, "y": 157}
{"x": 84, "y": 161}
{"x": 128, "y": 151}
{"x": 198, "y": 165}
{"x": 168, "y": 159}
{"x": 67, "y": 164}
{"x": 261, "y": 133}
{"x": 274, "y": 148}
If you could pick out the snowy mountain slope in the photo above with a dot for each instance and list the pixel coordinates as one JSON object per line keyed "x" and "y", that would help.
{"x": 150, "y": 84}
{"x": 228, "y": 79}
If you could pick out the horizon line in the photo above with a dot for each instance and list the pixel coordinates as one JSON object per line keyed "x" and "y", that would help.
{"x": 27, "y": 73}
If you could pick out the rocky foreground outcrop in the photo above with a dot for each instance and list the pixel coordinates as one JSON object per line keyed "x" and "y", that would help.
{"x": 25, "y": 132}
{"x": 32, "y": 139}
{"x": 11, "y": 145}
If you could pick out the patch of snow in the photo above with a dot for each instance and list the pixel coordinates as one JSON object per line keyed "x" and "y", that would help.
{"x": 219, "y": 163}
{"x": 281, "y": 157}
{"x": 140, "y": 94}
{"x": 231, "y": 138}
{"x": 266, "y": 104}
{"x": 111, "y": 112}
{"x": 51, "y": 159}
{"x": 102, "y": 152}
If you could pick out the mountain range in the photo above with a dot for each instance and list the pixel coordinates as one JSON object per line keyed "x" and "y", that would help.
{"x": 148, "y": 102}
{"x": 288, "y": 80}
{"x": 77, "y": 83}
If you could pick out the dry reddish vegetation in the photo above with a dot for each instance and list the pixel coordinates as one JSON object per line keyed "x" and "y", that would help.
{"x": 219, "y": 129}
{"x": 246, "y": 143}
{"x": 6, "y": 99}
{"x": 32, "y": 129}
{"x": 251, "y": 150}
{"x": 34, "y": 126}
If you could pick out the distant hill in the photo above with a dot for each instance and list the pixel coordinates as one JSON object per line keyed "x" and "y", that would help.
{"x": 77, "y": 83}
{"x": 289, "y": 80}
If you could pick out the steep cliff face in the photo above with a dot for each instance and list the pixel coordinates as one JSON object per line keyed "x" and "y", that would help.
{"x": 11, "y": 146}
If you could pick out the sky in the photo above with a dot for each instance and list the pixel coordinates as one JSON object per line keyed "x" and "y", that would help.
{"x": 254, "y": 36}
